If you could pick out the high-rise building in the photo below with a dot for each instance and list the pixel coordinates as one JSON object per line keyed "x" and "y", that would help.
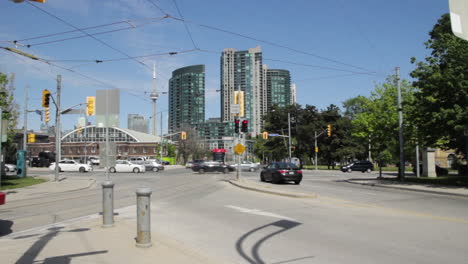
{"x": 293, "y": 93}
{"x": 242, "y": 80}
{"x": 138, "y": 123}
{"x": 278, "y": 87}
{"x": 186, "y": 97}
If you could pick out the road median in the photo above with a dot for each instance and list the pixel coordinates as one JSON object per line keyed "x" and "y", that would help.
{"x": 263, "y": 188}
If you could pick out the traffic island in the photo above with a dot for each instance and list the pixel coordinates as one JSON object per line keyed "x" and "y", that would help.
{"x": 249, "y": 185}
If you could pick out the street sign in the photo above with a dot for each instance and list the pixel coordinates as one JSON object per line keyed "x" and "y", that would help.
{"x": 273, "y": 135}
{"x": 235, "y": 108}
{"x": 239, "y": 149}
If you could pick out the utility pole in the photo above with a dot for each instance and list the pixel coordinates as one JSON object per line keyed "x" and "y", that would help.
{"x": 315, "y": 141}
{"x": 1, "y": 138}
{"x": 161, "y": 138}
{"x": 401, "y": 169}
{"x": 25, "y": 124}
{"x": 58, "y": 147}
{"x": 289, "y": 135}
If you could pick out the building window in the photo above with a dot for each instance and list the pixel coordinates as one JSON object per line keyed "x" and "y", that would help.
{"x": 78, "y": 150}
{"x": 93, "y": 150}
{"x": 134, "y": 150}
{"x": 144, "y": 150}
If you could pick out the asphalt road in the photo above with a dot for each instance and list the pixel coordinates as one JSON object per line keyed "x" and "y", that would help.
{"x": 347, "y": 223}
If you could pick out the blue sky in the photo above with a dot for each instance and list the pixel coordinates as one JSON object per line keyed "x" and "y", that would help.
{"x": 336, "y": 38}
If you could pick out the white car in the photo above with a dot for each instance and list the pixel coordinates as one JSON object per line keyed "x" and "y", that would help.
{"x": 10, "y": 167}
{"x": 71, "y": 165}
{"x": 126, "y": 166}
{"x": 247, "y": 166}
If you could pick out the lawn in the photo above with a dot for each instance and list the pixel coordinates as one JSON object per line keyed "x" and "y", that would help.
{"x": 13, "y": 182}
{"x": 456, "y": 181}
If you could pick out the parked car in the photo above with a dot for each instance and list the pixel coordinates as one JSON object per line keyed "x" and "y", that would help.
{"x": 137, "y": 160}
{"x": 10, "y": 168}
{"x": 126, "y": 166}
{"x": 247, "y": 166}
{"x": 211, "y": 166}
{"x": 71, "y": 165}
{"x": 94, "y": 161}
{"x": 361, "y": 165}
{"x": 278, "y": 172}
{"x": 153, "y": 166}
{"x": 191, "y": 163}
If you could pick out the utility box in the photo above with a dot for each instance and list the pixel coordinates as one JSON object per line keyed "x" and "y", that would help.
{"x": 21, "y": 163}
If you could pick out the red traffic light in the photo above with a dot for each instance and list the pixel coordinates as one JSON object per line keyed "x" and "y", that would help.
{"x": 245, "y": 125}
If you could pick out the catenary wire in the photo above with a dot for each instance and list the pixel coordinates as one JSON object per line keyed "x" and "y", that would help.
{"x": 98, "y": 40}
{"x": 271, "y": 44}
{"x": 185, "y": 24}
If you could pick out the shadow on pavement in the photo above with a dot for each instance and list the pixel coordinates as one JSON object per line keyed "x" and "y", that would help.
{"x": 5, "y": 227}
{"x": 66, "y": 259}
{"x": 283, "y": 225}
{"x": 31, "y": 254}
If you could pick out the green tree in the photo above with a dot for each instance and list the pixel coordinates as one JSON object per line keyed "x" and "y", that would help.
{"x": 441, "y": 101}
{"x": 378, "y": 120}
{"x": 10, "y": 113}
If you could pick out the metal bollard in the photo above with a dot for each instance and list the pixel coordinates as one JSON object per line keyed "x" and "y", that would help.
{"x": 143, "y": 239}
{"x": 107, "y": 204}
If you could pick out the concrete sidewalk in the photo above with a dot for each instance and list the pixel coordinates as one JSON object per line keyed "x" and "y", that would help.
{"x": 411, "y": 186}
{"x": 64, "y": 184}
{"x": 85, "y": 241}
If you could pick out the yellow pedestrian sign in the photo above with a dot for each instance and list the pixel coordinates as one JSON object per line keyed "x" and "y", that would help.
{"x": 239, "y": 149}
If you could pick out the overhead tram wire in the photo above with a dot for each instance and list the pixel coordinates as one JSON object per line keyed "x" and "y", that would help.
{"x": 98, "y": 40}
{"x": 104, "y": 84}
{"x": 185, "y": 24}
{"x": 158, "y": 7}
{"x": 94, "y": 34}
{"x": 272, "y": 44}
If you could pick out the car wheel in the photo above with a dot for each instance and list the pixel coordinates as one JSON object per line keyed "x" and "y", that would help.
{"x": 262, "y": 178}
{"x": 225, "y": 170}
{"x": 112, "y": 169}
{"x": 350, "y": 170}
{"x": 6, "y": 169}
{"x": 201, "y": 171}
{"x": 155, "y": 169}
{"x": 297, "y": 182}
{"x": 82, "y": 169}
{"x": 369, "y": 170}
{"x": 252, "y": 169}
{"x": 136, "y": 170}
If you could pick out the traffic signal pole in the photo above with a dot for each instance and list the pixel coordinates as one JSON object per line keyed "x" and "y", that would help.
{"x": 58, "y": 147}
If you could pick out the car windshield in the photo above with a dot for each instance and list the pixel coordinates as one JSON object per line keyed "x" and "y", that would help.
{"x": 286, "y": 165}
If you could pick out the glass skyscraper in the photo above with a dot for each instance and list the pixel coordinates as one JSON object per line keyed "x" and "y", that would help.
{"x": 278, "y": 87}
{"x": 242, "y": 71}
{"x": 186, "y": 97}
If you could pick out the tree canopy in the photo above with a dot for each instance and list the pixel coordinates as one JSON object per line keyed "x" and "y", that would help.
{"x": 441, "y": 99}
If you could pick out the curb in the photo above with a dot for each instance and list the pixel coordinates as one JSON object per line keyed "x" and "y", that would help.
{"x": 407, "y": 189}
{"x": 258, "y": 188}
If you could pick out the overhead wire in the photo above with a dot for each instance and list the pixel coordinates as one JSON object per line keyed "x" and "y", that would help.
{"x": 158, "y": 7}
{"x": 272, "y": 44}
{"x": 98, "y": 40}
{"x": 185, "y": 24}
{"x": 94, "y": 34}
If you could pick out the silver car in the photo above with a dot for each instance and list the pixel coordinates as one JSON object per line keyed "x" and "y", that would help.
{"x": 10, "y": 167}
{"x": 247, "y": 166}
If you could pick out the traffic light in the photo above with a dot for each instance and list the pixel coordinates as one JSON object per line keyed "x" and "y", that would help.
{"x": 31, "y": 138}
{"x": 47, "y": 114}
{"x": 329, "y": 130}
{"x": 183, "y": 135}
{"x": 45, "y": 98}
{"x": 245, "y": 126}
{"x": 90, "y": 105}
{"x": 236, "y": 125}
{"x": 265, "y": 135}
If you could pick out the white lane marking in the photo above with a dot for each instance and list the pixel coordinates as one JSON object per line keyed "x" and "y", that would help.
{"x": 258, "y": 212}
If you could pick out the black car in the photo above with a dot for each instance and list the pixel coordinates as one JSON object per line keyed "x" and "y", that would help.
{"x": 361, "y": 165}
{"x": 278, "y": 172}
{"x": 211, "y": 166}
